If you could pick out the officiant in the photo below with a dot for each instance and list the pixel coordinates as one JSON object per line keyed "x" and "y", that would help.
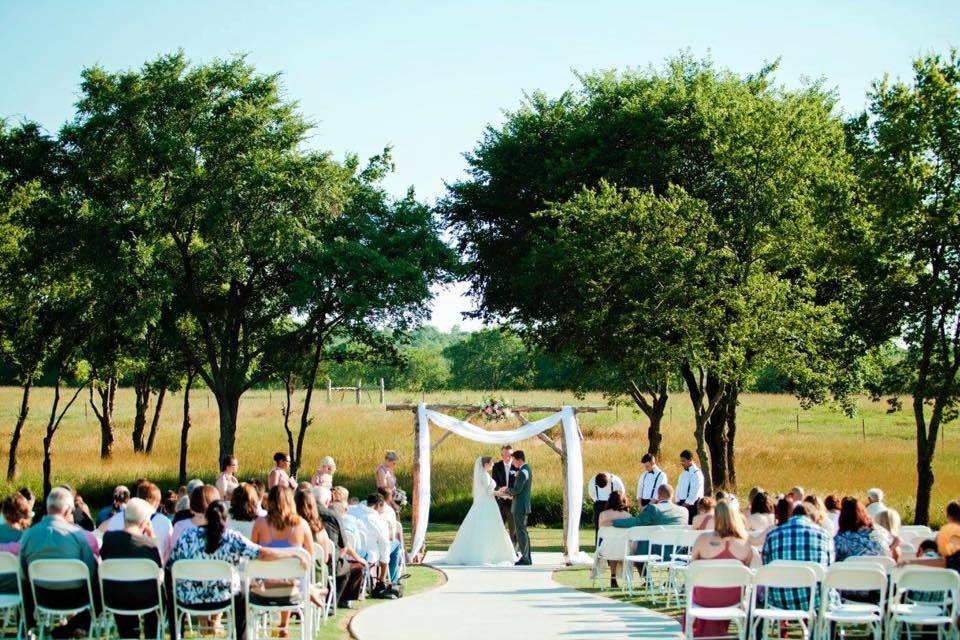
{"x": 504, "y": 475}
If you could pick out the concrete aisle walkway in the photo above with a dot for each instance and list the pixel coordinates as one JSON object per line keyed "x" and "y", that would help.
{"x": 513, "y": 603}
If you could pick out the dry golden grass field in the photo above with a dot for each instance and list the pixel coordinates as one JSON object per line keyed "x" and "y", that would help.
{"x": 828, "y": 454}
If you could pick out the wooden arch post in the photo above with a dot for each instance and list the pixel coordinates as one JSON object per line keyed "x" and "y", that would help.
{"x": 560, "y": 449}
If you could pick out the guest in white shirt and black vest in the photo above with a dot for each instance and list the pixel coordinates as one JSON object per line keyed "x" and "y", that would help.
{"x": 599, "y": 489}
{"x": 690, "y": 484}
{"x": 650, "y": 480}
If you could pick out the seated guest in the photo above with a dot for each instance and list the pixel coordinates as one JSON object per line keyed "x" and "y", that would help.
{"x": 783, "y": 511}
{"x": 213, "y": 541}
{"x": 120, "y": 496}
{"x": 832, "y": 504}
{"x": 947, "y": 543}
{"x": 17, "y": 516}
{"x": 927, "y": 549}
{"x": 662, "y": 512}
{"x": 80, "y": 515}
{"x": 761, "y": 512}
{"x": 244, "y": 510}
{"x": 703, "y": 521}
{"x": 307, "y": 509}
{"x": 889, "y": 521}
{"x": 200, "y": 499}
{"x": 283, "y": 528}
{"x": 160, "y": 525}
{"x": 324, "y": 474}
{"x": 183, "y": 511}
{"x": 796, "y": 495}
{"x": 280, "y": 474}
{"x": 227, "y": 480}
{"x": 392, "y": 515}
{"x": 856, "y": 534}
{"x": 818, "y": 513}
{"x": 618, "y": 508}
{"x": 727, "y": 541}
{"x": 796, "y": 539}
{"x": 874, "y": 502}
{"x": 349, "y": 565}
{"x": 134, "y": 540}
{"x": 55, "y": 537}
{"x": 387, "y": 549}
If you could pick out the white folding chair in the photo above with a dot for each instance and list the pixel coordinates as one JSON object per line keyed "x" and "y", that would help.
{"x": 325, "y": 575}
{"x": 635, "y": 536}
{"x": 663, "y": 543}
{"x": 718, "y": 574}
{"x": 216, "y": 571}
{"x": 924, "y": 597}
{"x": 130, "y": 570}
{"x": 679, "y": 561}
{"x": 908, "y": 551}
{"x": 916, "y": 530}
{"x": 260, "y": 606}
{"x": 888, "y": 563}
{"x": 11, "y": 604}
{"x": 852, "y": 576}
{"x": 783, "y": 576}
{"x": 47, "y": 574}
{"x": 612, "y": 546}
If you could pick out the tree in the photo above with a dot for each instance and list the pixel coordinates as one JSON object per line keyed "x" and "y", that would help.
{"x": 203, "y": 168}
{"x": 769, "y": 164}
{"x": 907, "y": 147}
{"x": 371, "y": 266}
{"x": 489, "y": 360}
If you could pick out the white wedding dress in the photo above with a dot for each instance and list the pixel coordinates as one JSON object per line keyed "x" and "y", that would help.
{"x": 482, "y": 538}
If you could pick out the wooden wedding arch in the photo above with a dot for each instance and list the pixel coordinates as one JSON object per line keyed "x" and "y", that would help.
{"x": 472, "y": 411}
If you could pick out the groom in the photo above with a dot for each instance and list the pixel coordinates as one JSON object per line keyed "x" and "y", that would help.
{"x": 520, "y": 491}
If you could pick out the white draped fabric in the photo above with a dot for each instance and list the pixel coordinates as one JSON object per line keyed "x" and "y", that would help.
{"x": 574, "y": 453}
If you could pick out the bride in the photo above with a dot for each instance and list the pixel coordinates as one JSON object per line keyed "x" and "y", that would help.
{"x": 482, "y": 539}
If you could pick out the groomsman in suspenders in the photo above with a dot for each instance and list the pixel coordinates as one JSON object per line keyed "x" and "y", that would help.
{"x": 600, "y": 488}
{"x": 690, "y": 484}
{"x": 650, "y": 480}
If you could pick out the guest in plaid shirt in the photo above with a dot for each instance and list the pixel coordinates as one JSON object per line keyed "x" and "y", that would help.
{"x": 796, "y": 539}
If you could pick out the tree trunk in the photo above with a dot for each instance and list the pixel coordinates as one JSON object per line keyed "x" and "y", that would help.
{"x": 716, "y": 438}
{"x": 228, "y": 403}
{"x": 926, "y": 448}
{"x": 185, "y": 430}
{"x": 287, "y": 408}
{"x": 18, "y": 430}
{"x": 305, "y": 419}
{"x": 733, "y": 393}
{"x": 141, "y": 389}
{"x": 104, "y": 413}
{"x": 653, "y": 408}
{"x": 704, "y": 404}
{"x": 155, "y": 423}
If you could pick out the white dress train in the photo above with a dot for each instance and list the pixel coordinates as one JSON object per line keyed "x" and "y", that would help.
{"x": 482, "y": 539}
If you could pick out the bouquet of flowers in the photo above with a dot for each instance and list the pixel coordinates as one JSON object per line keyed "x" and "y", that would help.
{"x": 494, "y": 409}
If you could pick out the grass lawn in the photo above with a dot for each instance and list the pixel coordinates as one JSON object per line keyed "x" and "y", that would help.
{"x": 421, "y": 579}
{"x": 579, "y": 578}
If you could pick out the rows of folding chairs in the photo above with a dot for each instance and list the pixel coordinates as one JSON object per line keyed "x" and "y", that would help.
{"x": 903, "y": 600}
{"x": 50, "y": 573}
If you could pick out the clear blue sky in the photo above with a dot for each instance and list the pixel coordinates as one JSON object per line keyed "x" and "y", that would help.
{"x": 427, "y": 76}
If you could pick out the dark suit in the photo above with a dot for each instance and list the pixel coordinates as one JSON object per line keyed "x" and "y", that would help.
{"x": 504, "y": 475}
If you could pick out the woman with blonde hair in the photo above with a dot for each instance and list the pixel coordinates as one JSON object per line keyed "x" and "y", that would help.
{"x": 889, "y": 519}
{"x": 820, "y": 515}
{"x": 729, "y": 540}
{"x": 282, "y": 528}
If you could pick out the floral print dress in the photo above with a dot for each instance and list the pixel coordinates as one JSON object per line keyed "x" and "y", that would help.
{"x": 234, "y": 548}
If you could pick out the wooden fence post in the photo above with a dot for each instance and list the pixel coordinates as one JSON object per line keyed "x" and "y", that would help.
{"x": 359, "y": 384}
{"x": 381, "y": 390}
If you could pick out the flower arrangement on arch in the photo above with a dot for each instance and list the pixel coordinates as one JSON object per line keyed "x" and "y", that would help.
{"x": 494, "y": 409}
